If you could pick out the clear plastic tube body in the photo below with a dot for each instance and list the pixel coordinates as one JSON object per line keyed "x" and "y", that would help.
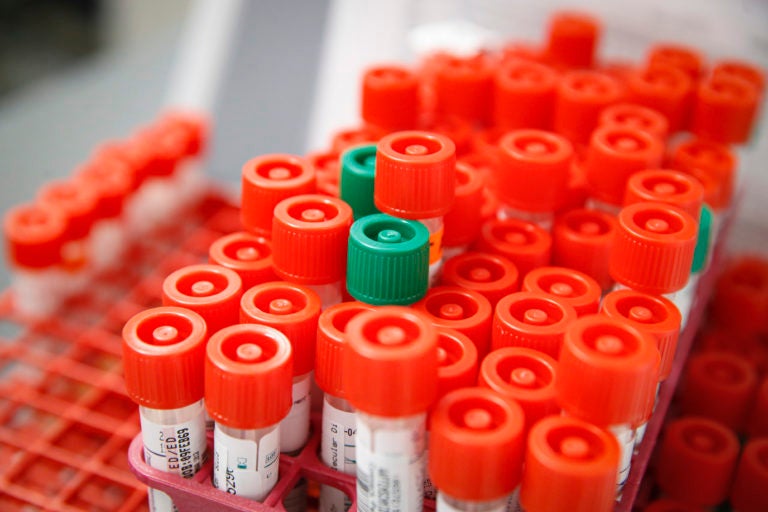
{"x": 245, "y": 462}
{"x": 337, "y": 449}
{"x": 108, "y": 243}
{"x": 435, "y": 227}
{"x": 330, "y": 293}
{"x": 544, "y": 220}
{"x": 446, "y": 503}
{"x": 596, "y": 204}
{"x": 174, "y": 442}
{"x": 35, "y": 291}
{"x": 294, "y": 428}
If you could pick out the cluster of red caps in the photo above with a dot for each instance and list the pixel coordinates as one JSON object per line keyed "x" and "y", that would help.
{"x": 724, "y": 402}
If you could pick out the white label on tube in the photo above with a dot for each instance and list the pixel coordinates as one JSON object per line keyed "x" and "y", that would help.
{"x": 244, "y": 467}
{"x": 294, "y": 428}
{"x": 177, "y": 449}
{"x": 444, "y": 506}
{"x": 390, "y": 469}
{"x": 337, "y": 451}
{"x": 626, "y": 438}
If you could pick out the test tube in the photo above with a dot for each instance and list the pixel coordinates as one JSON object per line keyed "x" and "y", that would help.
{"x": 532, "y": 319}
{"x": 293, "y": 310}
{"x": 748, "y": 493}
{"x": 581, "y": 96}
{"x": 666, "y": 89}
{"x": 725, "y": 109}
{"x": 416, "y": 179}
{"x": 247, "y": 254}
{"x": 465, "y": 311}
{"x": 309, "y": 243}
{"x": 248, "y": 372}
{"x": 572, "y": 39}
{"x": 358, "y": 168}
{"x": 685, "y": 58}
{"x": 742, "y": 69}
{"x": 163, "y": 361}
{"x": 607, "y": 375}
{"x": 697, "y": 459}
{"x": 532, "y": 175}
{"x": 398, "y": 346}
{"x": 475, "y": 450}
{"x": 34, "y": 236}
{"x": 635, "y": 116}
{"x": 211, "y": 291}
{"x": 463, "y": 221}
{"x": 189, "y": 131}
{"x": 524, "y": 95}
{"x": 569, "y": 465}
{"x": 267, "y": 180}
{"x": 338, "y": 441}
{"x": 463, "y": 88}
{"x": 388, "y": 260}
{"x": 524, "y": 243}
{"x": 491, "y": 275}
{"x": 568, "y": 285}
{"x": 389, "y": 98}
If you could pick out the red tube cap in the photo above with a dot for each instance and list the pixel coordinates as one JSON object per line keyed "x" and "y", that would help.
{"x": 34, "y": 235}
{"x": 309, "y": 239}
{"x": 390, "y": 98}
{"x": 635, "y": 117}
{"x": 462, "y": 223}
{"x": 466, "y": 311}
{"x": 525, "y": 376}
{"x": 331, "y": 344}
{"x": 667, "y": 505}
{"x": 569, "y": 465}
{"x": 678, "y": 56}
{"x": 666, "y": 89}
{"x": 524, "y": 243}
{"x": 652, "y": 314}
{"x": 608, "y": 371}
{"x": 741, "y": 69}
{"x": 476, "y": 445}
{"x": 582, "y": 240}
{"x": 615, "y": 154}
{"x": 290, "y": 308}
{"x": 345, "y": 139}
{"x": 581, "y": 96}
{"x": 534, "y": 320}
{"x": 750, "y": 488}
{"x": 248, "y": 255}
{"x": 653, "y": 248}
{"x": 163, "y": 357}
{"x": 78, "y": 203}
{"x": 524, "y": 95}
{"x": 740, "y": 301}
{"x": 697, "y": 459}
{"x": 714, "y": 165}
{"x": 533, "y": 170}
{"x": 266, "y": 181}
{"x": 719, "y": 386}
{"x": 725, "y": 109}
{"x": 668, "y": 187}
{"x": 568, "y": 285}
{"x": 415, "y": 175}
{"x": 572, "y": 40}
{"x": 211, "y": 291}
{"x": 456, "y": 361}
{"x": 111, "y": 181}
{"x": 463, "y": 88}
{"x": 396, "y": 345}
{"x": 490, "y": 275}
{"x": 248, "y": 376}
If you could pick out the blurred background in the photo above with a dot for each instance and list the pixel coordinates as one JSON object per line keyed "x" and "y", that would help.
{"x": 281, "y": 76}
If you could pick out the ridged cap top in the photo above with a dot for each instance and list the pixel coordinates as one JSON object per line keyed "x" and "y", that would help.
{"x": 247, "y": 254}
{"x": 524, "y": 95}
{"x": 34, "y": 234}
{"x": 713, "y": 164}
{"x": 636, "y": 117}
{"x": 77, "y": 201}
{"x": 725, "y": 109}
{"x": 666, "y": 89}
{"x": 568, "y": 285}
{"x": 524, "y": 243}
{"x": 491, "y": 275}
{"x": 668, "y": 187}
{"x": 581, "y": 96}
{"x": 582, "y": 240}
{"x": 390, "y": 98}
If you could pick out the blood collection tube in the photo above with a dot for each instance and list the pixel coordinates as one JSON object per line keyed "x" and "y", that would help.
{"x": 396, "y": 345}
{"x": 267, "y": 180}
{"x": 388, "y": 260}
{"x": 568, "y": 285}
{"x": 532, "y": 175}
{"x": 741, "y": 69}
{"x": 582, "y": 240}
{"x": 293, "y": 310}
{"x": 581, "y": 96}
{"x": 475, "y": 450}
{"x": 572, "y": 40}
{"x": 635, "y": 117}
{"x": 34, "y": 235}
{"x": 614, "y": 154}
{"x": 390, "y": 98}
{"x": 750, "y": 486}
{"x": 678, "y": 56}
{"x": 491, "y": 275}
{"x": 607, "y": 375}
{"x": 309, "y": 243}
{"x": 465, "y": 311}
{"x": 697, "y": 458}
{"x": 248, "y": 372}
{"x": 532, "y": 319}
{"x": 112, "y": 181}
{"x": 524, "y": 243}
{"x": 525, "y": 376}
{"x": 163, "y": 361}
{"x": 338, "y": 441}
{"x": 463, "y": 221}
{"x": 725, "y": 109}
{"x": 416, "y": 179}
{"x": 247, "y": 254}
{"x": 667, "y": 90}
{"x": 463, "y": 88}
{"x": 524, "y": 95}
{"x": 211, "y": 291}
{"x": 358, "y": 168}
{"x": 570, "y": 464}
{"x": 719, "y": 386}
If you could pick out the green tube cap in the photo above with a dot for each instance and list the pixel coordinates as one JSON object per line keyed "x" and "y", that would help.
{"x": 388, "y": 260}
{"x": 701, "y": 254}
{"x": 358, "y": 167}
